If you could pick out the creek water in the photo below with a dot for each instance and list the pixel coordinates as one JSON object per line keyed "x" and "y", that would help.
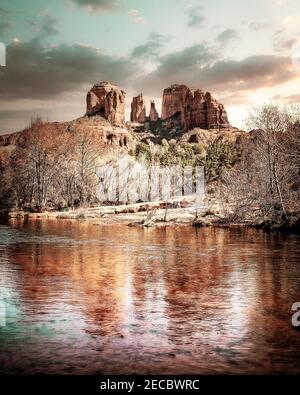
{"x": 76, "y": 298}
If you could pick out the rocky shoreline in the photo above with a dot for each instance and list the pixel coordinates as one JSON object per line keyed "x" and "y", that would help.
{"x": 122, "y": 214}
{"x": 154, "y": 214}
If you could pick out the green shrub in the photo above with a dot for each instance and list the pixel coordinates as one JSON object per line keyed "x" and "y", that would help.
{"x": 215, "y": 157}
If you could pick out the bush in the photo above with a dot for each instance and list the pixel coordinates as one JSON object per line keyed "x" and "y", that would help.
{"x": 215, "y": 158}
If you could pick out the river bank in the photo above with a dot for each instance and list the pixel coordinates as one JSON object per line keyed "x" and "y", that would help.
{"x": 122, "y": 214}
{"x": 158, "y": 214}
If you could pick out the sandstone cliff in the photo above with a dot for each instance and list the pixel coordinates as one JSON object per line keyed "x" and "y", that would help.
{"x": 192, "y": 108}
{"x": 138, "y": 109}
{"x": 108, "y": 101}
{"x": 187, "y": 116}
{"x": 153, "y": 115}
{"x": 111, "y": 136}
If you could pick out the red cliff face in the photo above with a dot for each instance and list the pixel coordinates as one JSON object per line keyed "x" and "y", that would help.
{"x": 173, "y": 100}
{"x": 138, "y": 109}
{"x": 153, "y": 115}
{"x": 193, "y": 108}
{"x": 108, "y": 101}
{"x": 181, "y": 107}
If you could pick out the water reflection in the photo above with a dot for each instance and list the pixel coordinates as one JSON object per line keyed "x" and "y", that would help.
{"x": 82, "y": 298}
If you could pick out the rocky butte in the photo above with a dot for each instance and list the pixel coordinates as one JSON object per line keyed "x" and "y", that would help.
{"x": 195, "y": 115}
{"x": 108, "y": 101}
{"x": 193, "y": 108}
{"x": 182, "y": 107}
{"x": 138, "y": 109}
{"x": 153, "y": 116}
{"x": 185, "y": 108}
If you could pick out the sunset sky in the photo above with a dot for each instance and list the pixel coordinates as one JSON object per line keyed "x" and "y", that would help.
{"x": 244, "y": 52}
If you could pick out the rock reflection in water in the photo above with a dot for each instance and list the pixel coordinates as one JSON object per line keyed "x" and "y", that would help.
{"x": 82, "y": 298}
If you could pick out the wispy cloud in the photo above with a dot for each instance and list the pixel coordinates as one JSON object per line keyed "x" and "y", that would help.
{"x": 200, "y": 66}
{"x": 283, "y": 42}
{"x": 292, "y": 99}
{"x": 285, "y": 45}
{"x": 6, "y": 23}
{"x": 136, "y": 17}
{"x": 195, "y": 16}
{"x": 255, "y": 26}
{"x": 45, "y": 25}
{"x": 151, "y": 48}
{"x": 226, "y": 36}
{"x": 100, "y": 5}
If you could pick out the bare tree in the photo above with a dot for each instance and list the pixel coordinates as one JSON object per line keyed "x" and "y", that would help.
{"x": 87, "y": 152}
{"x": 36, "y": 164}
{"x": 265, "y": 183}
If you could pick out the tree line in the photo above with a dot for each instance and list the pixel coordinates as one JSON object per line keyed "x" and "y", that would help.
{"x": 50, "y": 170}
{"x": 264, "y": 186}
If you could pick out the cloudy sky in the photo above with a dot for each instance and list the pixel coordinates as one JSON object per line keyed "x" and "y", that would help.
{"x": 244, "y": 52}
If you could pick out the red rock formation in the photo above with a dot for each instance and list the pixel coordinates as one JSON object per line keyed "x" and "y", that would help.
{"x": 193, "y": 108}
{"x": 173, "y": 100}
{"x": 108, "y": 101}
{"x": 153, "y": 115}
{"x": 138, "y": 109}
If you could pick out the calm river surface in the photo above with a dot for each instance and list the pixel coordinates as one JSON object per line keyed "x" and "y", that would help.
{"x": 77, "y": 298}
